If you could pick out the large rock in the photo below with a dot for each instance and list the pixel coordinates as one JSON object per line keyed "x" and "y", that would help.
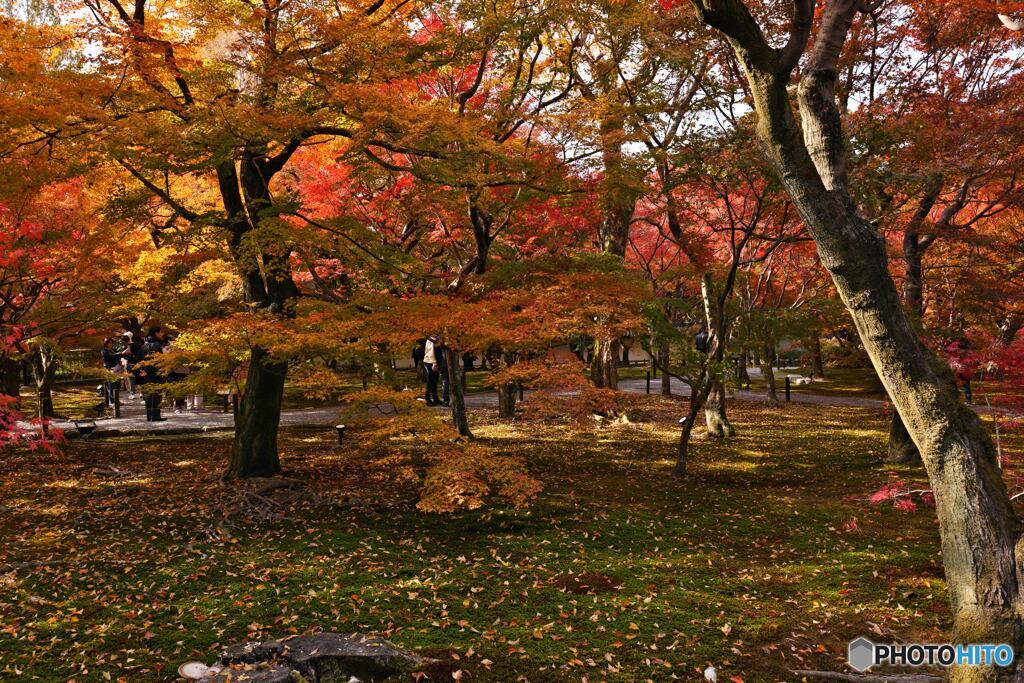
{"x": 318, "y": 658}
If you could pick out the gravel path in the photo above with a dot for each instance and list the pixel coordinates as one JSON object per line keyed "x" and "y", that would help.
{"x": 211, "y": 419}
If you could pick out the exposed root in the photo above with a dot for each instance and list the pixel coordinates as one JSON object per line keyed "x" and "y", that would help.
{"x": 105, "y": 470}
{"x": 263, "y": 499}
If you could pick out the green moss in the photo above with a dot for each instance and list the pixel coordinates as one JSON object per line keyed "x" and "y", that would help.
{"x": 746, "y": 565}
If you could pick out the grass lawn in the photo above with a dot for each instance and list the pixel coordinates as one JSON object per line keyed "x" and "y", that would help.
{"x": 69, "y": 400}
{"x": 617, "y": 572}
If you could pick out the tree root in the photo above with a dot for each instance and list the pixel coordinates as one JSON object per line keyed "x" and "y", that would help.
{"x": 104, "y": 470}
{"x": 266, "y": 499}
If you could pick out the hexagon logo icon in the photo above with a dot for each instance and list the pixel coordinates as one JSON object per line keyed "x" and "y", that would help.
{"x": 861, "y": 654}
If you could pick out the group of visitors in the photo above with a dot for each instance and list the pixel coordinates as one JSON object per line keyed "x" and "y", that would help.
{"x": 432, "y": 367}
{"x": 130, "y": 359}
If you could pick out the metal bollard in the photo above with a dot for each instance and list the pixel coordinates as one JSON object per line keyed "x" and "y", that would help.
{"x": 648, "y": 381}
{"x": 787, "y": 389}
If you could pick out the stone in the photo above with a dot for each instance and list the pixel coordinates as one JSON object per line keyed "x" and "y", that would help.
{"x": 318, "y": 658}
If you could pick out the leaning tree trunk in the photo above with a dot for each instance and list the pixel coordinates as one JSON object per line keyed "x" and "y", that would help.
{"x": 977, "y": 523}
{"x": 697, "y": 398}
{"x": 458, "y": 394}
{"x": 254, "y": 449}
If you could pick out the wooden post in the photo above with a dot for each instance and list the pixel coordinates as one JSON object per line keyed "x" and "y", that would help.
{"x": 787, "y": 389}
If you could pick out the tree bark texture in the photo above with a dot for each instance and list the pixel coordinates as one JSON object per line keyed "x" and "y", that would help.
{"x": 977, "y": 523}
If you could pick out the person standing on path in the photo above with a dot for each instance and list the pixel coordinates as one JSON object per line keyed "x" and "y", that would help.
{"x": 146, "y": 374}
{"x": 132, "y": 355}
{"x": 430, "y": 351}
{"x": 112, "y": 364}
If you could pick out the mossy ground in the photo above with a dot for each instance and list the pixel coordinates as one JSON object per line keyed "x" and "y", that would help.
{"x": 751, "y": 564}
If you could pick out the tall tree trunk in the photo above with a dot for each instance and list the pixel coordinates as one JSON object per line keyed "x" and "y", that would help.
{"x": 978, "y": 526}
{"x": 604, "y": 364}
{"x": 267, "y": 285}
{"x": 619, "y": 195}
{"x": 254, "y": 449}
{"x": 507, "y": 399}
{"x": 458, "y": 394}
{"x": 742, "y": 376}
{"x": 507, "y": 391}
{"x": 769, "y": 377}
{"x": 817, "y": 363}
{"x": 663, "y": 361}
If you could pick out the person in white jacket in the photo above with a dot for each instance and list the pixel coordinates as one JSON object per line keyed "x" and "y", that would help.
{"x": 430, "y": 352}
